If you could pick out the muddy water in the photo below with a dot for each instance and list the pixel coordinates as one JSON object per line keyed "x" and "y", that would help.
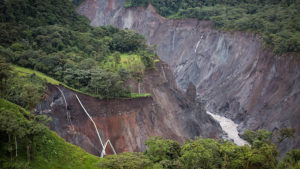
{"x": 230, "y": 128}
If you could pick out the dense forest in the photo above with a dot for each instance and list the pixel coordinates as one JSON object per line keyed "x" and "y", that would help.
{"x": 207, "y": 154}
{"x": 49, "y": 36}
{"x": 277, "y": 21}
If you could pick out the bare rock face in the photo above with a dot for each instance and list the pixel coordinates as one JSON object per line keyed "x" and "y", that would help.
{"x": 128, "y": 123}
{"x": 191, "y": 92}
{"x": 232, "y": 72}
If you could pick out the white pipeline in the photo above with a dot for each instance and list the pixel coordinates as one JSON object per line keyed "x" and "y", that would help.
{"x": 108, "y": 141}
{"x": 105, "y": 145}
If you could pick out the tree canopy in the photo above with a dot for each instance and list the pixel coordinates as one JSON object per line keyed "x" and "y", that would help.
{"x": 207, "y": 153}
{"x": 50, "y": 37}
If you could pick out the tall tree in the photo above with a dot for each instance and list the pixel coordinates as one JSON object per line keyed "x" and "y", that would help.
{"x": 4, "y": 73}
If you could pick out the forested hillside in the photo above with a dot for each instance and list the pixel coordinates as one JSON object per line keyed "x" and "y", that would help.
{"x": 49, "y": 36}
{"x": 277, "y": 21}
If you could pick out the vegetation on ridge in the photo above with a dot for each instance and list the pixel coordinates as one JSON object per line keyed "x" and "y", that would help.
{"x": 50, "y": 37}
{"x": 277, "y": 21}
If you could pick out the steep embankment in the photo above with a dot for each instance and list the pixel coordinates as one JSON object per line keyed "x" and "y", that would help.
{"x": 232, "y": 71}
{"x": 35, "y": 146}
{"x": 128, "y": 123}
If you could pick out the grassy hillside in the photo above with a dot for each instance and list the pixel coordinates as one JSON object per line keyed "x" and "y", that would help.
{"x": 54, "y": 152}
{"x": 47, "y": 149}
{"x": 277, "y": 21}
{"x": 21, "y": 71}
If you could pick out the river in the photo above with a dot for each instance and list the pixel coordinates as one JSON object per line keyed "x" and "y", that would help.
{"x": 230, "y": 128}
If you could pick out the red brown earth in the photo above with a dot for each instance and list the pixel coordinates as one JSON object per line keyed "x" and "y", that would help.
{"x": 232, "y": 71}
{"x": 128, "y": 123}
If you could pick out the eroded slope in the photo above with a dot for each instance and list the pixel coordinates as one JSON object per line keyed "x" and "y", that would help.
{"x": 128, "y": 123}
{"x": 232, "y": 71}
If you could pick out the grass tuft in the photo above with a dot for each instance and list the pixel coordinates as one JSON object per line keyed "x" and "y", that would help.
{"x": 141, "y": 95}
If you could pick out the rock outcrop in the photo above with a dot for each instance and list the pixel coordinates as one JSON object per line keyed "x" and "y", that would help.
{"x": 232, "y": 72}
{"x": 128, "y": 123}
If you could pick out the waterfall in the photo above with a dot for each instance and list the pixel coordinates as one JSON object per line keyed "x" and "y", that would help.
{"x": 99, "y": 137}
{"x": 164, "y": 73}
{"x": 66, "y": 106}
{"x": 230, "y": 128}
{"x": 173, "y": 39}
{"x": 128, "y": 21}
{"x": 197, "y": 45}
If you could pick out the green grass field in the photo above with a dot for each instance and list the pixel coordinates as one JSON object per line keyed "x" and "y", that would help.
{"x": 156, "y": 60}
{"x": 128, "y": 61}
{"x": 25, "y": 71}
{"x": 136, "y": 95}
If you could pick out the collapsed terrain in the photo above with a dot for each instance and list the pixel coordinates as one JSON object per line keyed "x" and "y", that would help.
{"x": 128, "y": 123}
{"x": 233, "y": 73}
{"x": 51, "y": 56}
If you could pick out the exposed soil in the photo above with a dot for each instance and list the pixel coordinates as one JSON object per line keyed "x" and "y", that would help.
{"x": 232, "y": 71}
{"x": 128, "y": 123}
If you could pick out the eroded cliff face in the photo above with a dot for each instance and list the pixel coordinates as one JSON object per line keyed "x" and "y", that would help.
{"x": 128, "y": 123}
{"x": 233, "y": 73}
